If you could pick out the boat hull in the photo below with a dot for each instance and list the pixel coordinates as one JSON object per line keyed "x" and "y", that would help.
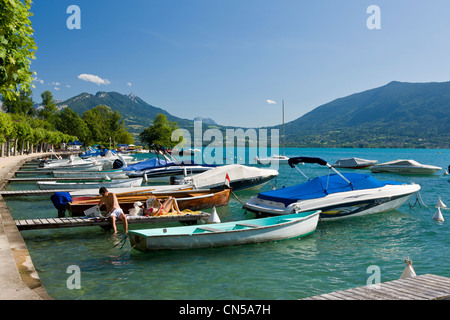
{"x": 225, "y": 234}
{"x": 125, "y": 183}
{"x": 405, "y": 170}
{"x": 270, "y": 160}
{"x": 90, "y": 174}
{"x": 81, "y": 167}
{"x": 193, "y": 200}
{"x": 167, "y": 172}
{"x": 341, "y": 205}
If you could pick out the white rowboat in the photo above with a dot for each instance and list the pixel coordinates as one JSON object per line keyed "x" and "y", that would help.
{"x": 225, "y": 234}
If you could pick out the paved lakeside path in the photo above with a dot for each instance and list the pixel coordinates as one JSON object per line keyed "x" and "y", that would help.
{"x": 18, "y": 277}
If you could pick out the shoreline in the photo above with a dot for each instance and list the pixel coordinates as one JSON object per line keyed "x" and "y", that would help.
{"x": 18, "y": 277}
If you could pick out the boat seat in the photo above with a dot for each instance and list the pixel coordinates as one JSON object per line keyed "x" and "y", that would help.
{"x": 250, "y": 225}
{"x": 209, "y": 229}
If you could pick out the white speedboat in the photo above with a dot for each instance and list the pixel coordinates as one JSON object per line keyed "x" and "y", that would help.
{"x": 354, "y": 163}
{"x": 336, "y": 195}
{"x": 156, "y": 169}
{"x": 276, "y": 158}
{"x": 239, "y": 177}
{"x": 405, "y": 167}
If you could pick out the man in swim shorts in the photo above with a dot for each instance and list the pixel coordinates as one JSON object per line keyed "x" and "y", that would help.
{"x": 113, "y": 210}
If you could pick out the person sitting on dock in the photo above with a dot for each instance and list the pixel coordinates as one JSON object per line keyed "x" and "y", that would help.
{"x": 156, "y": 208}
{"x": 113, "y": 210}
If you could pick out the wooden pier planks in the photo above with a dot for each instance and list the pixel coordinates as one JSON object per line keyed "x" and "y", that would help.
{"x": 423, "y": 287}
{"x": 10, "y": 193}
{"x": 55, "y": 223}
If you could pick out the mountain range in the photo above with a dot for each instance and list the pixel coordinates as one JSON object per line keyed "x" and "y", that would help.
{"x": 397, "y": 115}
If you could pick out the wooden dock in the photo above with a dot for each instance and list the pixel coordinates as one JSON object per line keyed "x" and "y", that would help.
{"x": 56, "y": 223}
{"x": 423, "y": 287}
{"x": 11, "y": 193}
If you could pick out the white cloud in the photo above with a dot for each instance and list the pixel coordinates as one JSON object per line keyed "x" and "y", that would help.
{"x": 93, "y": 78}
{"x": 39, "y": 80}
{"x": 271, "y": 101}
{"x": 56, "y": 88}
{"x": 55, "y": 83}
{"x": 129, "y": 84}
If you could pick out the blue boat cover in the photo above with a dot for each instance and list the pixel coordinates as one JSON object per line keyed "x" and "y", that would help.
{"x": 321, "y": 186}
{"x": 148, "y": 164}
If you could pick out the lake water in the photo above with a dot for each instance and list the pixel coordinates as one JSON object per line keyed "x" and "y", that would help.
{"x": 336, "y": 257}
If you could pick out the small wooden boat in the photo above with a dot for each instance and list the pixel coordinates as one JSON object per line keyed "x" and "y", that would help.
{"x": 186, "y": 199}
{"x": 118, "y": 183}
{"x": 226, "y": 234}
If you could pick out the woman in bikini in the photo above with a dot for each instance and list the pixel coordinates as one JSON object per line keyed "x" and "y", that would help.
{"x": 157, "y": 208}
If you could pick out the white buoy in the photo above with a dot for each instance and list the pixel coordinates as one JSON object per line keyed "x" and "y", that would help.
{"x": 408, "y": 272}
{"x": 438, "y": 215}
{"x": 440, "y": 204}
{"x": 214, "y": 217}
{"x": 145, "y": 177}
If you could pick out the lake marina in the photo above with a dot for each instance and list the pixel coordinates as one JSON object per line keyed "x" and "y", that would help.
{"x": 336, "y": 257}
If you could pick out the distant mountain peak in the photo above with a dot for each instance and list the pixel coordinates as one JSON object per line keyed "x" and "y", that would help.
{"x": 205, "y": 120}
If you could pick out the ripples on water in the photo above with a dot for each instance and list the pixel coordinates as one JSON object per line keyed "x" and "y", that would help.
{"x": 336, "y": 257}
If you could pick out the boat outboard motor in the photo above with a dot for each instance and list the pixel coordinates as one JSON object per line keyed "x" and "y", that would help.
{"x": 60, "y": 201}
{"x": 117, "y": 164}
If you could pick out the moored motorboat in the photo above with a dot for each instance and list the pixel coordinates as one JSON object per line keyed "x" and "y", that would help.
{"x": 405, "y": 167}
{"x": 186, "y": 199}
{"x": 354, "y": 163}
{"x": 336, "y": 195}
{"x": 89, "y": 166}
{"x": 118, "y": 183}
{"x": 276, "y": 158}
{"x": 239, "y": 177}
{"x": 226, "y": 233}
{"x": 113, "y": 174}
{"x": 162, "y": 170}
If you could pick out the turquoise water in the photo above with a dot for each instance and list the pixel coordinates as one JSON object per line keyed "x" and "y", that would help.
{"x": 336, "y": 257}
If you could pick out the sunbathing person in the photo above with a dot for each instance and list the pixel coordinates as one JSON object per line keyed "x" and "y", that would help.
{"x": 156, "y": 208}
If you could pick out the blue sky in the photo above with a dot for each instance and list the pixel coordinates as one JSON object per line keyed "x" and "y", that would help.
{"x": 224, "y": 59}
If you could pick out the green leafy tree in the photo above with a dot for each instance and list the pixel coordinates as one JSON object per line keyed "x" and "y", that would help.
{"x": 17, "y": 47}
{"x": 24, "y": 133}
{"x": 70, "y": 123}
{"x": 160, "y": 132}
{"x": 22, "y": 105}
{"x": 49, "y": 111}
{"x": 6, "y": 127}
{"x": 124, "y": 137}
{"x": 103, "y": 124}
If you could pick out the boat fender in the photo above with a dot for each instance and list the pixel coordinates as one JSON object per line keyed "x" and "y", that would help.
{"x": 408, "y": 272}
